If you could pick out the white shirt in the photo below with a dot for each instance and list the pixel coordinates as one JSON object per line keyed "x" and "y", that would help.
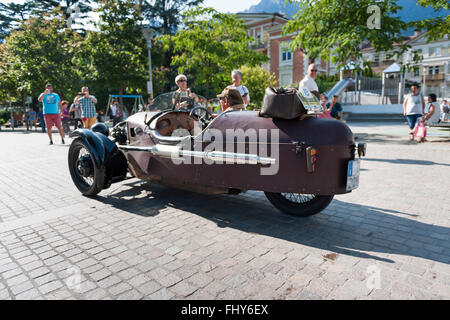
{"x": 242, "y": 90}
{"x": 436, "y": 115}
{"x": 414, "y": 104}
{"x": 308, "y": 83}
{"x": 113, "y": 110}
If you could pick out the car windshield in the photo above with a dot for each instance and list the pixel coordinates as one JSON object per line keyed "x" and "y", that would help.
{"x": 177, "y": 100}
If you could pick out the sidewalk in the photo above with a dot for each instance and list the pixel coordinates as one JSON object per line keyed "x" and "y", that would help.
{"x": 389, "y": 239}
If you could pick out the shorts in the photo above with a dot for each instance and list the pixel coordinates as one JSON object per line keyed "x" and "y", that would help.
{"x": 52, "y": 118}
{"x": 412, "y": 120}
{"x": 89, "y": 122}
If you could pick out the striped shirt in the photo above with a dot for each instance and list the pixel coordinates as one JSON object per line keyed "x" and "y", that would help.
{"x": 87, "y": 107}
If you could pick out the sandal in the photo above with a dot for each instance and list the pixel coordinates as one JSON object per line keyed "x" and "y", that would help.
{"x": 411, "y": 136}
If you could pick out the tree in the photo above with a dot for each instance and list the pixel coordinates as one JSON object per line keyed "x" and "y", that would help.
{"x": 117, "y": 52}
{"x": 42, "y": 51}
{"x": 165, "y": 16}
{"x": 437, "y": 28}
{"x": 257, "y": 79}
{"x": 11, "y": 14}
{"x": 322, "y": 27}
{"x": 211, "y": 46}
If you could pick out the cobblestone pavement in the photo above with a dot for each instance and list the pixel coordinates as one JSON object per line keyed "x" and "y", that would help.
{"x": 389, "y": 239}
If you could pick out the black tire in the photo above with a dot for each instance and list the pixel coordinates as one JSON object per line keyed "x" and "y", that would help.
{"x": 86, "y": 176}
{"x": 307, "y": 205}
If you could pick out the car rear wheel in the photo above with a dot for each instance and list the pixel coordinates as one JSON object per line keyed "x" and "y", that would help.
{"x": 85, "y": 174}
{"x": 299, "y": 205}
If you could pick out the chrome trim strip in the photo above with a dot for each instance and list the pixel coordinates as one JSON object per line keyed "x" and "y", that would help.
{"x": 226, "y": 157}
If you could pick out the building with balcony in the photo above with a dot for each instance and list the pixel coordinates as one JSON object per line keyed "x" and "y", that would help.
{"x": 288, "y": 66}
{"x": 433, "y": 72}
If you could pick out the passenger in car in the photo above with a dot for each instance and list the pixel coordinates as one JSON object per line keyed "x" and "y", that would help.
{"x": 231, "y": 99}
{"x": 183, "y": 97}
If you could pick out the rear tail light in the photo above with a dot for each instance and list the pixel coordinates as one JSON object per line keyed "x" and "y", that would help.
{"x": 311, "y": 159}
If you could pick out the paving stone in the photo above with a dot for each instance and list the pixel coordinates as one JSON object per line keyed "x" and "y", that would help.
{"x": 168, "y": 280}
{"x": 119, "y": 288}
{"x": 184, "y": 288}
{"x": 149, "y": 288}
{"x": 50, "y": 286}
{"x": 108, "y": 281}
{"x": 231, "y": 252}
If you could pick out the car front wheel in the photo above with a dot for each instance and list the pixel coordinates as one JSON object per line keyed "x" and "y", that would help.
{"x": 299, "y": 205}
{"x": 85, "y": 174}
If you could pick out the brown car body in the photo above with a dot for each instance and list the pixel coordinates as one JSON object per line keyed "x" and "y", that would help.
{"x": 309, "y": 157}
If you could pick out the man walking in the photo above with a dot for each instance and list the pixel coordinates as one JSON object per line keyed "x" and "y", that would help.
{"x": 87, "y": 104}
{"x": 52, "y": 105}
{"x": 413, "y": 108}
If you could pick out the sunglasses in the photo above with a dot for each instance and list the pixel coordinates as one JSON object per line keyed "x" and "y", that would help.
{"x": 314, "y": 70}
{"x": 182, "y": 80}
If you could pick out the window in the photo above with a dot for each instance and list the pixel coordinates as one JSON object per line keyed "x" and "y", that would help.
{"x": 436, "y": 69}
{"x": 416, "y": 72}
{"x": 430, "y": 70}
{"x": 286, "y": 54}
{"x": 432, "y": 52}
{"x": 376, "y": 59}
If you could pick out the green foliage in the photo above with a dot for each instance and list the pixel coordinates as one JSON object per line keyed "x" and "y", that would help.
{"x": 340, "y": 27}
{"x": 42, "y": 52}
{"x": 165, "y": 16}
{"x": 13, "y": 14}
{"x": 325, "y": 82}
{"x": 257, "y": 79}
{"x": 5, "y": 115}
{"x": 437, "y": 28}
{"x": 211, "y": 46}
{"x": 116, "y": 54}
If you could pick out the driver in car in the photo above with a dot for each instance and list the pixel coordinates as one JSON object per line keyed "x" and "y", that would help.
{"x": 231, "y": 100}
{"x": 183, "y": 97}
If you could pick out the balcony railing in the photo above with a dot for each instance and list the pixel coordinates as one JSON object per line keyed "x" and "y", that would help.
{"x": 384, "y": 63}
{"x": 257, "y": 45}
{"x": 435, "y": 77}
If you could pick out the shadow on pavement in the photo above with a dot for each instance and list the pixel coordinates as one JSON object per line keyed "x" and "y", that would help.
{"x": 409, "y": 161}
{"x": 361, "y": 230}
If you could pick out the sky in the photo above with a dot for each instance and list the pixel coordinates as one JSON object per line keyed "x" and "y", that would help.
{"x": 232, "y": 6}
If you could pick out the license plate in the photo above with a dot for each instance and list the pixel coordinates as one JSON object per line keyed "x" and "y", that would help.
{"x": 353, "y": 175}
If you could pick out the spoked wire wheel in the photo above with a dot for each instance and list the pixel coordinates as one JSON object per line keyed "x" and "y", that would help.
{"x": 298, "y": 204}
{"x": 85, "y": 174}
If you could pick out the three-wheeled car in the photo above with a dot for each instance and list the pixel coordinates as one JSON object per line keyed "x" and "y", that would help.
{"x": 299, "y": 163}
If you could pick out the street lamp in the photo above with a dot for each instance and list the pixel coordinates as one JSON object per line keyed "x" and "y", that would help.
{"x": 148, "y": 35}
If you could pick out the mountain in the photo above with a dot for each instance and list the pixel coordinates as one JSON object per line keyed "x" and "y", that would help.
{"x": 411, "y": 11}
{"x": 273, "y": 6}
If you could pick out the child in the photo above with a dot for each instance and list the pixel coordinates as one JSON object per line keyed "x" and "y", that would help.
{"x": 65, "y": 116}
